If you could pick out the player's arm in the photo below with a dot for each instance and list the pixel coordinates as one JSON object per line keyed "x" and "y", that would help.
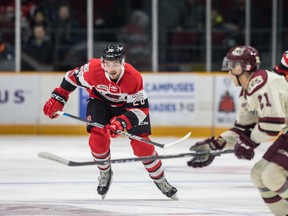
{"x": 228, "y": 139}
{"x": 245, "y": 122}
{"x": 60, "y": 95}
{"x": 79, "y": 77}
{"x": 236, "y": 138}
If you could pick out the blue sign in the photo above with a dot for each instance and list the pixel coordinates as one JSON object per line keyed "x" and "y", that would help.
{"x": 83, "y": 97}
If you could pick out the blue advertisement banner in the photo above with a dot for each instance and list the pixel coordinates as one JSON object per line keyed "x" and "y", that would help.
{"x": 83, "y": 97}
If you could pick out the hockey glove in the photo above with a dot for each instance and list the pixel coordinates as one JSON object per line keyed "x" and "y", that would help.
{"x": 56, "y": 103}
{"x": 116, "y": 124}
{"x": 244, "y": 148}
{"x": 205, "y": 146}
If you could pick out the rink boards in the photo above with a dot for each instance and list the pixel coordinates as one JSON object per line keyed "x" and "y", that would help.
{"x": 179, "y": 102}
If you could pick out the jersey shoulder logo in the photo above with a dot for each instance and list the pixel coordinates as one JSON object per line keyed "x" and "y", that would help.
{"x": 256, "y": 82}
{"x": 86, "y": 67}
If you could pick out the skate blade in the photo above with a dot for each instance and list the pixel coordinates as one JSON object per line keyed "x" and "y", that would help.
{"x": 103, "y": 196}
{"x": 174, "y": 197}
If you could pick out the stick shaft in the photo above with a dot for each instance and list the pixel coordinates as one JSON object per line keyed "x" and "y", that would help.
{"x": 131, "y": 136}
{"x": 66, "y": 162}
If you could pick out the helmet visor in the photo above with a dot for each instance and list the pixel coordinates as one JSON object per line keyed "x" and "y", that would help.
{"x": 232, "y": 64}
{"x": 225, "y": 64}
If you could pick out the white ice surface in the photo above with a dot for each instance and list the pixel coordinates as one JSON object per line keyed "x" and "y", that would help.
{"x": 30, "y": 185}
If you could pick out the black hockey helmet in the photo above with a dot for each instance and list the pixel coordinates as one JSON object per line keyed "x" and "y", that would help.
{"x": 247, "y": 56}
{"x": 114, "y": 52}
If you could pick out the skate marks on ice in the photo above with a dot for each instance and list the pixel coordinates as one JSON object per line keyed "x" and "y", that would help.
{"x": 32, "y": 186}
{"x": 48, "y": 209}
{"x": 121, "y": 207}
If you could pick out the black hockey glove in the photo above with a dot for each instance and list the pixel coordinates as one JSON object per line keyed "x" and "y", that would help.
{"x": 205, "y": 146}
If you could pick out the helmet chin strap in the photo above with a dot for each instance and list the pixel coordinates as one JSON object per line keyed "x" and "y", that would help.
{"x": 238, "y": 77}
{"x": 238, "y": 80}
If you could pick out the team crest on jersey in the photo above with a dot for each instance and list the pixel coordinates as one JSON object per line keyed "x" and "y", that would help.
{"x": 255, "y": 83}
{"x": 114, "y": 89}
{"x": 244, "y": 105}
{"x": 248, "y": 108}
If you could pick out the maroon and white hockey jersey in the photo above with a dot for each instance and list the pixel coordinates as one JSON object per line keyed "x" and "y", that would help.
{"x": 128, "y": 91}
{"x": 265, "y": 105}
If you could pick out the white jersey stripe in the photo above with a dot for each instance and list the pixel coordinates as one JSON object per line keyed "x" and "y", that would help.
{"x": 140, "y": 114}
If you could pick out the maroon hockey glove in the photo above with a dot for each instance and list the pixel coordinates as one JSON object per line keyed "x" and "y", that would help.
{"x": 56, "y": 103}
{"x": 244, "y": 148}
{"x": 116, "y": 124}
{"x": 205, "y": 146}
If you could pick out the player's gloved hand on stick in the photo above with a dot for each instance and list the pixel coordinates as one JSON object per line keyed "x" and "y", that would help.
{"x": 56, "y": 103}
{"x": 207, "y": 145}
{"x": 244, "y": 148}
{"x": 116, "y": 124}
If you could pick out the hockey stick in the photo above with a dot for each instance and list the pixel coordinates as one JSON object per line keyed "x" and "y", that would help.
{"x": 131, "y": 136}
{"x": 53, "y": 157}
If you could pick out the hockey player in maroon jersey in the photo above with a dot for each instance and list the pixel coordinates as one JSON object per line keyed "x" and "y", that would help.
{"x": 117, "y": 100}
{"x": 262, "y": 116}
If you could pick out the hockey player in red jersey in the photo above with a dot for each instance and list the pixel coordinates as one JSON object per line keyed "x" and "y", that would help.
{"x": 117, "y": 100}
{"x": 263, "y": 113}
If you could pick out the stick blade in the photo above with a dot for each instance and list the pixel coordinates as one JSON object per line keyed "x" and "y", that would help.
{"x": 52, "y": 157}
{"x": 169, "y": 145}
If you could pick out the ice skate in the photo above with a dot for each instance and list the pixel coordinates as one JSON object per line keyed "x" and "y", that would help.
{"x": 105, "y": 180}
{"x": 167, "y": 189}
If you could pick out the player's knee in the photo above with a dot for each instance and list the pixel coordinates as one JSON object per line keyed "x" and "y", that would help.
{"x": 99, "y": 140}
{"x": 273, "y": 178}
{"x": 256, "y": 175}
{"x": 141, "y": 149}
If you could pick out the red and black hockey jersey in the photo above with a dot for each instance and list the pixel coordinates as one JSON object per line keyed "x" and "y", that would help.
{"x": 128, "y": 91}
